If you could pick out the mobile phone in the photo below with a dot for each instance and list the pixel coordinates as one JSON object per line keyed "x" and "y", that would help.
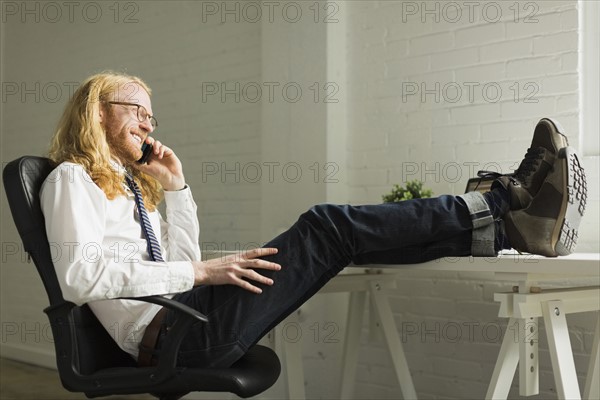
{"x": 146, "y": 151}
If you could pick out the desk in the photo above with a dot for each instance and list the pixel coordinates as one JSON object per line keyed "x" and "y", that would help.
{"x": 523, "y": 306}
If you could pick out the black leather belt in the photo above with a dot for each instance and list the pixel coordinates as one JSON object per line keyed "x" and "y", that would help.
{"x": 147, "y": 354}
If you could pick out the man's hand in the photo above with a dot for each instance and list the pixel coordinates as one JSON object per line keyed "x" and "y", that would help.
{"x": 236, "y": 269}
{"x": 164, "y": 166}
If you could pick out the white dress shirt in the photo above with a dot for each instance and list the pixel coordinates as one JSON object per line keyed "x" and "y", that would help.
{"x": 100, "y": 253}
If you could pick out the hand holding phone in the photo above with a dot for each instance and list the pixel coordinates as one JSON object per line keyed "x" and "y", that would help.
{"x": 166, "y": 167}
{"x": 146, "y": 151}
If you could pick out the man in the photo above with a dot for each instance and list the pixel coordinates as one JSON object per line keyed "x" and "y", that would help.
{"x": 101, "y": 204}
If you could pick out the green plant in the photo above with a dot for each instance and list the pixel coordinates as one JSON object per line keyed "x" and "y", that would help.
{"x": 414, "y": 190}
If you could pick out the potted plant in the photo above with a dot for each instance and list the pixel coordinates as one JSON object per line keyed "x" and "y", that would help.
{"x": 414, "y": 190}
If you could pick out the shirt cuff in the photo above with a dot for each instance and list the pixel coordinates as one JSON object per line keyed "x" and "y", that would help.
{"x": 179, "y": 198}
{"x": 182, "y": 276}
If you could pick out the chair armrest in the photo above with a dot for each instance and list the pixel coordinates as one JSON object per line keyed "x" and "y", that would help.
{"x": 171, "y": 304}
{"x": 111, "y": 380}
{"x": 186, "y": 317}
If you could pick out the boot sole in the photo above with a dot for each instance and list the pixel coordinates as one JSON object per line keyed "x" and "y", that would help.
{"x": 565, "y": 235}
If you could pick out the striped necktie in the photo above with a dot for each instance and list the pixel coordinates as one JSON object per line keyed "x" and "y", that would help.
{"x": 151, "y": 241}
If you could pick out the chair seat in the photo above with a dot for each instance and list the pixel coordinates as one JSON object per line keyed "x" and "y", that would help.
{"x": 254, "y": 373}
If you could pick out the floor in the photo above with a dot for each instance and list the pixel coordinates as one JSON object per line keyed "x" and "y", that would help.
{"x": 28, "y": 382}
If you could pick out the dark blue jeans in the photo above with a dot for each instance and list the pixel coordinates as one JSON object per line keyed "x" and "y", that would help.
{"x": 320, "y": 244}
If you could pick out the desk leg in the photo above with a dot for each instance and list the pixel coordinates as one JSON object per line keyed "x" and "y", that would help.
{"x": 506, "y": 365}
{"x": 386, "y": 318}
{"x": 561, "y": 353}
{"x": 352, "y": 343}
{"x": 529, "y": 377}
{"x": 592, "y": 383}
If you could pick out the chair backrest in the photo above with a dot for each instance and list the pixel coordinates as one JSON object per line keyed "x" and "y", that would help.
{"x": 81, "y": 343}
{"x": 23, "y": 179}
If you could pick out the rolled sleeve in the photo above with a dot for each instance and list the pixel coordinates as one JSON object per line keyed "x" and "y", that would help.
{"x": 181, "y": 230}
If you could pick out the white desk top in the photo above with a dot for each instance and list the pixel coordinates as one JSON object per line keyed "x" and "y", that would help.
{"x": 574, "y": 265}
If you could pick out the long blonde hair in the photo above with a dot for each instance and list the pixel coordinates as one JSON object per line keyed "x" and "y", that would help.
{"x": 80, "y": 138}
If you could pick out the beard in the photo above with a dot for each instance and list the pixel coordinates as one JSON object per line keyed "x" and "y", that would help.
{"x": 123, "y": 144}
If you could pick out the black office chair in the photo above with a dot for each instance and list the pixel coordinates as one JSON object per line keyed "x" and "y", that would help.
{"x": 88, "y": 359}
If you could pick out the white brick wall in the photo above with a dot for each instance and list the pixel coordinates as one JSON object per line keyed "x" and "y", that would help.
{"x": 528, "y": 62}
{"x": 535, "y": 61}
{"x": 171, "y": 48}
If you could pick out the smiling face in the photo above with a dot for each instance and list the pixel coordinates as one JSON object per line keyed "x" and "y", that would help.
{"x": 124, "y": 132}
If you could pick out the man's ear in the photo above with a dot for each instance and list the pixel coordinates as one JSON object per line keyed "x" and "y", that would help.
{"x": 101, "y": 113}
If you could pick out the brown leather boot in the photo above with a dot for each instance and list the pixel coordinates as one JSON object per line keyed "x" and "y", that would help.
{"x": 549, "y": 225}
{"x": 525, "y": 182}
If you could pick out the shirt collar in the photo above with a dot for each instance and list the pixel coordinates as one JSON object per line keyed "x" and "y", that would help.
{"x": 117, "y": 166}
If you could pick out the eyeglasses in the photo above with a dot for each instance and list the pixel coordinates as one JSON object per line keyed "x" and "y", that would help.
{"x": 142, "y": 113}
